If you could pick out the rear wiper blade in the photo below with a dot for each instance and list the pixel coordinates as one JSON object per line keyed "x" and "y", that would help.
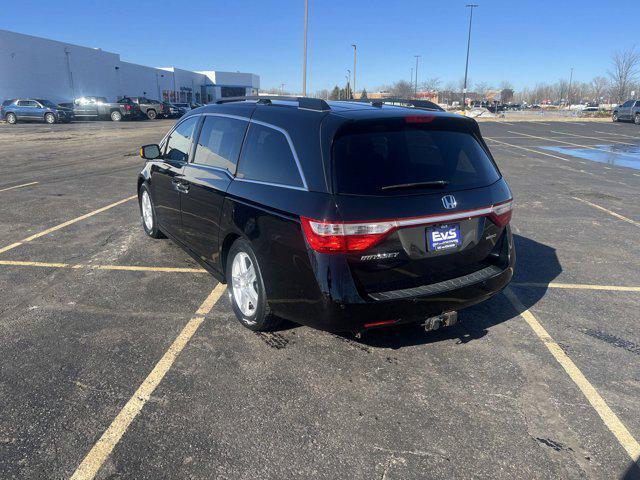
{"x": 433, "y": 184}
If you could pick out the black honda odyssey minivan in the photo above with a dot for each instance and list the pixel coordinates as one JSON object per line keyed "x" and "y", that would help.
{"x": 343, "y": 216}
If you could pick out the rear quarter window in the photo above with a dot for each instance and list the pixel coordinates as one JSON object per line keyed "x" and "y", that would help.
{"x": 267, "y": 157}
{"x": 375, "y": 161}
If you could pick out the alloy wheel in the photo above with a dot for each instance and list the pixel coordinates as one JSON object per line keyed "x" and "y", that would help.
{"x": 244, "y": 283}
{"x": 147, "y": 211}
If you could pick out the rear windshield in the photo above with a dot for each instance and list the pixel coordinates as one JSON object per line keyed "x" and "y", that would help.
{"x": 409, "y": 159}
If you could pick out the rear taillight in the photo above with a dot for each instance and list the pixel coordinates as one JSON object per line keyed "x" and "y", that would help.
{"x": 343, "y": 237}
{"x": 336, "y": 237}
{"x": 501, "y": 213}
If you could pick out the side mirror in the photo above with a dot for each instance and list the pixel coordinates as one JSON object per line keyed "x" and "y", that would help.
{"x": 150, "y": 152}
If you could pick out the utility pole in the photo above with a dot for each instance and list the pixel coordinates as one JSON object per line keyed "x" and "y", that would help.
{"x": 471, "y": 6}
{"x": 415, "y": 92}
{"x": 411, "y": 81}
{"x": 348, "y": 84}
{"x": 304, "y": 62}
{"x": 346, "y": 90}
{"x": 355, "y": 49}
{"x": 569, "y": 92}
{"x": 282, "y": 88}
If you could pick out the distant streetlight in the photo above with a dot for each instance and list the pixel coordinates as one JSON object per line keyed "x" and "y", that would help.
{"x": 415, "y": 92}
{"x": 471, "y": 6}
{"x": 304, "y": 62}
{"x": 346, "y": 90}
{"x": 569, "y": 92}
{"x": 282, "y": 88}
{"x": 355, "y": 50}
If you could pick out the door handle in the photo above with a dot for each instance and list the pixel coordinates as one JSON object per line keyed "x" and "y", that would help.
{"x": 182, "y": 187}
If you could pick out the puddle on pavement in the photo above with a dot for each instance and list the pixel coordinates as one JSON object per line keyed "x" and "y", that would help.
{"x": 618, "y": 155}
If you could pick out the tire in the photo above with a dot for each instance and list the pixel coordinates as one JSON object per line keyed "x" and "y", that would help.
{"x": 614, "y": 117}
{"x": 249, "y": 301}
{"x": 151, "y": 114}
{"x": 11, "y": 118}
{"x": 50, "y": 118}
{"x": 636, "y": 119}
{"x": 148, "y": 213}
{"x": 116, "y": 116}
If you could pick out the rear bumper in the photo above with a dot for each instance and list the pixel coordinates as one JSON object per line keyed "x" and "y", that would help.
{"x": 336, "y": 316}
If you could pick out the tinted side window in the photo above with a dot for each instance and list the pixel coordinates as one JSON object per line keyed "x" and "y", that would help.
{"x": 180, "y": 140}
{"x": 219, "y": 142}
{"x": 267, "y": 157}
{"x": 627, "y": 103}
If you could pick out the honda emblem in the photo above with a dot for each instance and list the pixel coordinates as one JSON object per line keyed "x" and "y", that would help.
{"x": 449, "y": 202}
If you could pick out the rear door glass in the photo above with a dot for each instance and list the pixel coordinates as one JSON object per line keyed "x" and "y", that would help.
{"x": 219, "y": 142}
{"x": 388, "y": 160}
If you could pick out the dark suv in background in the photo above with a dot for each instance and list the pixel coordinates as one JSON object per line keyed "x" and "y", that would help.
{"x": 34, "y": 110}
{"x": 342, "y": 215}
{"x": 152, "y": 109}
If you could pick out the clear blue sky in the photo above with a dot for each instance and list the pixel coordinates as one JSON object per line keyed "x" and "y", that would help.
{"x": 520, "y": 41}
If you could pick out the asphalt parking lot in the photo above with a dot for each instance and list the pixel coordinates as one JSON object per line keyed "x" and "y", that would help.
{"x": 120, "y": 358}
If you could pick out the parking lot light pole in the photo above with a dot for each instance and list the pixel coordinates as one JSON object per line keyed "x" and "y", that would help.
{"x": 304, "y": 61}
{"x": 569, "y": 91}
{"x": 415, "y": 92}
{"x": 348, "y": 84}
{"x": 466, "y": 66}
{"x": 355, "y": 49}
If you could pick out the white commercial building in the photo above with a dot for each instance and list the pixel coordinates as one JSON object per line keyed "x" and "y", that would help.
{"x": 36, "y": 67}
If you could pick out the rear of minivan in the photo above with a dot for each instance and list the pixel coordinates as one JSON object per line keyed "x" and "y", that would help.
{"x": 422, "y": 218}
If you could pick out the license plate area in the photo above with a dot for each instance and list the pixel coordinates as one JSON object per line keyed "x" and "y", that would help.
{"x": 441, "y": 238}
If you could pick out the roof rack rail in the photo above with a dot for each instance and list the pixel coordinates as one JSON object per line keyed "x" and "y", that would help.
{"x": 419, "y": 104}
{"x": 306, "y": 103}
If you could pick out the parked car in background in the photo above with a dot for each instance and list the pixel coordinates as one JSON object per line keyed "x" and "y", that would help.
{"x": 149, "y": 108}
{"x": 99, "y": 108}
{"x": 628, "y": 111}
{"x": 34, "y": 110}
{"x": 185, "y": 106}
{"x": 170, "y": 110}
{"x": 342, "y": 216}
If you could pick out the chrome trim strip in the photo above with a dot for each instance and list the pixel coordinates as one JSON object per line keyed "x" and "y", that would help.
{"x": 444, "y": 218}
{"x": 214, "y": 114}
{"x": 260, "y": 182}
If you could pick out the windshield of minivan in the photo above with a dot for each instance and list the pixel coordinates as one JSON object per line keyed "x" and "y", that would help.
{"x": 399, "y": 161}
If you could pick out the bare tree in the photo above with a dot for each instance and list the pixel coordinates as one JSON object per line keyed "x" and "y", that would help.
{"x": 401, "y": 89}
{"x": 506, "y": 85}
{"x": 623, "y": 74}
{"x": 482, "y": 88}
{"x": 431, "y": 84}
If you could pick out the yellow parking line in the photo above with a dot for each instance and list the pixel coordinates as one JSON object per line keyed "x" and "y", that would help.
{"x": 90, "y": 465}
{"x": 613, "y": 214}
{"x": 593, "y": 138}
{"x": 562, "y": 141}
{"x": 131, "y": 268}
{"x": 527, "y": 149}
{"x": 66, "y": 224}
{"x": 18, "y": 186}
{"x": 577, "y": 286}
{"x": 619, "y": 135}
{"x": 610, "y": 419}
